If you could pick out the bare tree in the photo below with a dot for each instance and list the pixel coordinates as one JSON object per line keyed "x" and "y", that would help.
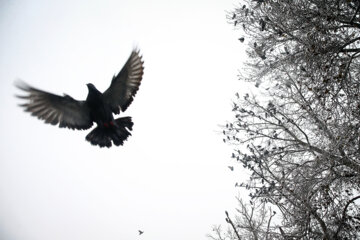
{"x": 253, "y": 221}
{"x": 300, "y": 138}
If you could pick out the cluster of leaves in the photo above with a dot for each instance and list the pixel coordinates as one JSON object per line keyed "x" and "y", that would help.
{"x": 300, "y": 140}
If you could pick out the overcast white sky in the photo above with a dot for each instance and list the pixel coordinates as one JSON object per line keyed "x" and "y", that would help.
{"x": 170, "y": 179}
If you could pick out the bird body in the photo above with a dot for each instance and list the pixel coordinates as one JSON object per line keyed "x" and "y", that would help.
{"x": 100, "y": 112}
{"x": 98, "y": 107}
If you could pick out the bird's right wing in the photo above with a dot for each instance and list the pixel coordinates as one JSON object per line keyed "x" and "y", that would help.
{"x": 125, "y": 84}
{"x": 55, "y": 109}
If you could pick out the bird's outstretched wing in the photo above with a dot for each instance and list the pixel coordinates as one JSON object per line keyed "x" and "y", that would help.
{"x": 124, "y": 86}
{"x": 55, "y": 109}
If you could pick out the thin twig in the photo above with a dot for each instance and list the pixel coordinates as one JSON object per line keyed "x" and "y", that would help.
{"x": 228, "y": 220}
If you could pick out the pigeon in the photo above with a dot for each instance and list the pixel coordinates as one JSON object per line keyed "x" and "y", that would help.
{"x": 98, "y": 107}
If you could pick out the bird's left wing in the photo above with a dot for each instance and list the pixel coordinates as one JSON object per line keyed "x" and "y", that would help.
{"x": 55, "y": 109}
{"x": 124, "y": 86}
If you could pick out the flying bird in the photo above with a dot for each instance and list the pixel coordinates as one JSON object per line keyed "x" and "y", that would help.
{"x": 140, "y": 232}
{"x": 97, "y": 108}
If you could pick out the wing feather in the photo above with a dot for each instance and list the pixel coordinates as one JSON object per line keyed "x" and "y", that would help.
{"x": 54, "y": 109}
{"x": 124, "y": 86}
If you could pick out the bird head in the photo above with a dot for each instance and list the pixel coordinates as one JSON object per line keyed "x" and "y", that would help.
{"x": 90, "y": 86}
{"x": 92, "y": 89}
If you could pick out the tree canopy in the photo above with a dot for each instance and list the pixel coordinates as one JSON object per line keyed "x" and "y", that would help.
{"x": 300, "y": 138}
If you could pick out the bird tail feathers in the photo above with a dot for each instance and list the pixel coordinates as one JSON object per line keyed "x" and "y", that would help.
{"x": 116, "y": 133}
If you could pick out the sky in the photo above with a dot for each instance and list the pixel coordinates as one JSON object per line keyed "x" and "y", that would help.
{"x": 171, "y": 178}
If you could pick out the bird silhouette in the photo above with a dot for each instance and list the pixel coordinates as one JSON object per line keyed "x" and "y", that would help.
{"x": 98, "y": 107}
{"x": 140, "y": 232}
